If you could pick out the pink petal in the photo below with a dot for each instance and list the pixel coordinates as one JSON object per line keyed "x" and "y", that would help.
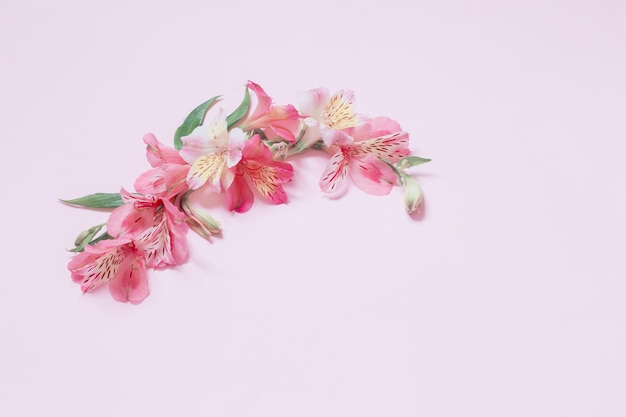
{"x": 264, "y": 102}
{"x": 256, "y": 150}
{"x": 371, "y": 175}
{"x": 178, "y": 233}
{"x": 265, "y": 173}
{"x": 283, "y": 130}
{"x": 311, "y": 103}
{"x": 128, "y": 220}
{"x": 391, "y": 147}
{"x": 98, "y": 264}
{"x": 335, "y": 137}
{"x": 163, "y": 243}
{"x": 239, "y": 196}
{"x": 165, "y": 181}
{"x": 378, "y": 126}
{"x": 157, "y": 153}
{"x": 131, "y": 282}
{"x": 267, "y": 179}
{"x": 334, "y": 176}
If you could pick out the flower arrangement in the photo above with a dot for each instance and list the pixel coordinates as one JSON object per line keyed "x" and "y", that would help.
{"x": 240, "y": 154}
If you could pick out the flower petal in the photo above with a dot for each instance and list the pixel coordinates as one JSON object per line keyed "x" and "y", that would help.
{"x": 335, "y": 137}
{"x": 371, "y": 175}
{"x": 158, "y": 154}
{"x": 338, "y": 112}
{"x": 267, "y": 179}
{"x": 99, "y": 263}
{"x": 208, "y": 167}
{"x": 391, "y": 147}
{"x": 236, "y": 142}
{"x": 163, "y": 243}
{"x": 128, "y": 220}
{"x": 256, "y": 150}
{"x": 264, "y": 102}
{"x": 131, "y": 282}
{"x": 164, "y": 181}
{"x": 239, "y": 196}
{"x": 334, "y": 176}
{"x": 311, "y": 103}
{"x": 196, "y": 144}
{"x": 375, "y": 127}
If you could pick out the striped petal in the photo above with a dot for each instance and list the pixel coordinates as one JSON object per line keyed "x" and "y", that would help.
{"x": 266, "y": 174}
{"x": 391, "y": 147}
{"x": 338, "y": 112}
{"x": 163, "y": 243}
{"x": 99, "y": 264}
{"x": 209, "y": 168}
{"x": 334, "y": 176}
{"x": 267, "y": 179}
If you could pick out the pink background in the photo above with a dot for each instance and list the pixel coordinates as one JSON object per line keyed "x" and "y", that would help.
{"x": 505, "y": 298}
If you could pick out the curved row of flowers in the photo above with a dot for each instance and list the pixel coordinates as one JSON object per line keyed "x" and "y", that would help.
{"x": 240, "y": 154}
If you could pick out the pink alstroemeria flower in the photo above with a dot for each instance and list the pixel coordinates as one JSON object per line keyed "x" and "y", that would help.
{"x": 116, "y": 262}
{"x": 276, "y": 121}
{"x": 265, "y": 174}
{"x": 212, "y": 149}
{"x": 155, "y": 226}
{"x": 376, "y": 143}
{"x": 328, "y": 117}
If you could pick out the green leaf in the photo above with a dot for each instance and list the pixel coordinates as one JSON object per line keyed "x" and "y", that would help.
{"x": 411, "y": 161}
{"x": 195, "y": 119}
{"x": 240, "y": 111}
{"x": 97, "y": 200}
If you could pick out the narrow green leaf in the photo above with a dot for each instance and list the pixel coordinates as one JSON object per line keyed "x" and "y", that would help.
{"x": 195, "y": 119}
{"x": 240, "y": 111}
{"x": 411, "y": 161}
{"x": 97, "y": 200}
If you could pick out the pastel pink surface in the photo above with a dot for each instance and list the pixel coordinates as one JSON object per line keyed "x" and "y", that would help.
{"x": 505, "y": 297}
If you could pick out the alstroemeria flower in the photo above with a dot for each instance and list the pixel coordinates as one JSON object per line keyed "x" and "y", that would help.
{"x": 377, "y": 143}
{"x": 212, "y": 149}
{"x": 328, "y": 117}
{"x": 155, "y": 226}
{"x": 265, "y": 174}
{"x": 116, "y": 262}
{"x": 281, "y": 121}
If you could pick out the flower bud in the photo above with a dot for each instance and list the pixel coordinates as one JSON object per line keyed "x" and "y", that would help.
{"x": 200, "y": 221}
{"x": 413, "y": 196}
